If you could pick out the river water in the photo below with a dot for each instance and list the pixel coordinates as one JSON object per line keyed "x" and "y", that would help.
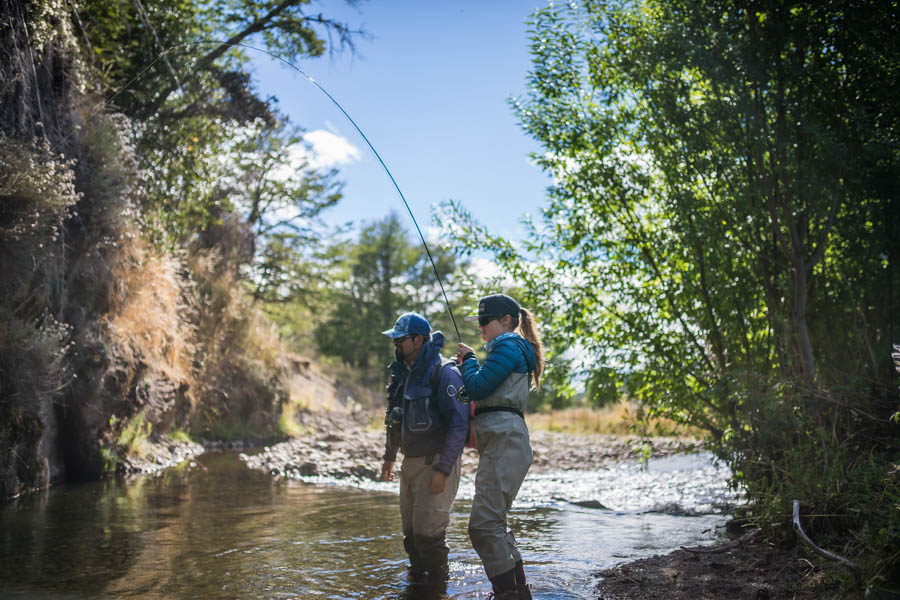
{"x": 216, "y": 529}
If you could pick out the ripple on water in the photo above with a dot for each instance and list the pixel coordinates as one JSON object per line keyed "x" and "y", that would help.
{"x": 685, "y": 484}
{"x": 224, "y": 531}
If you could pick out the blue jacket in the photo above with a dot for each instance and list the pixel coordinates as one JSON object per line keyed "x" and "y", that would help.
{"x": 507, "y": 353}
{"x": 434, "y": 422}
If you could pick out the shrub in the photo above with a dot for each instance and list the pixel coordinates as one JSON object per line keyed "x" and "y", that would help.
{"x": 836, "y": 453}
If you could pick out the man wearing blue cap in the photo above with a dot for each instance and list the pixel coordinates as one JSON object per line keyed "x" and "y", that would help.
{"x": 424, "y": 421}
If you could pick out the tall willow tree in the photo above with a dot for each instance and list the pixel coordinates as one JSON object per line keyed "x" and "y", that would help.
{"x": 723, "y": 229}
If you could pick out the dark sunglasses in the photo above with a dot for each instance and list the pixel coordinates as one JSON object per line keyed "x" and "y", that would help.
{"x": 400, "y": 340}
{"x": 485, "y": 319}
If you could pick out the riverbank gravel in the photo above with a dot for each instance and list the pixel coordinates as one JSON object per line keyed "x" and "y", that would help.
{"x": 339, "y": 447}
{"x": 159, "y": 454}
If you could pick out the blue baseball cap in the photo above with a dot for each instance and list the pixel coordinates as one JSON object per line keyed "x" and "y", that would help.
{"x": 409, "y": 324}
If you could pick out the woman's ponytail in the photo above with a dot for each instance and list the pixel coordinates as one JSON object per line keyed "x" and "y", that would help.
{"x": 528, "y": 327}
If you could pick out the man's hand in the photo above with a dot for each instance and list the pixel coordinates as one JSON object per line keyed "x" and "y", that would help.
{"x": 438, "y": 481}
{"x": 387, "y": 470}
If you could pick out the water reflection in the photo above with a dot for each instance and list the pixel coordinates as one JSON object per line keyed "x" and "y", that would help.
{"x": 219, "y": 530}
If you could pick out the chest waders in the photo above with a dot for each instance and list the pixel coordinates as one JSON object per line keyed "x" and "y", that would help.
{"x": 505, "y": 455}
{"x": 424, "y": 516}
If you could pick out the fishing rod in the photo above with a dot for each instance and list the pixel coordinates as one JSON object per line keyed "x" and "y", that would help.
{"x": 344, "y": 112}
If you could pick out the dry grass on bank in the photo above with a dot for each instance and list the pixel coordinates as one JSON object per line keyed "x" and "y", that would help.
{"x": 618, "y": 419}
{"x": 146, "y": 317}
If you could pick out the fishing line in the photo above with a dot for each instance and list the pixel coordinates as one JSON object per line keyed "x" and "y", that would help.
{"x": 349, "y": 118}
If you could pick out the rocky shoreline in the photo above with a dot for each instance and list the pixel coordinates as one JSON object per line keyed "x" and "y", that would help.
{"x": 339, "y": 447}
{"x": 159, "y": 454}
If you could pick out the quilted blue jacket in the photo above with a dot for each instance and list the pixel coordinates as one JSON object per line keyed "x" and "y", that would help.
{"x": 507, "y": 353}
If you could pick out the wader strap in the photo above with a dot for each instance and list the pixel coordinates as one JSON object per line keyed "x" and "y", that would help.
{"x": 487, "y": 409}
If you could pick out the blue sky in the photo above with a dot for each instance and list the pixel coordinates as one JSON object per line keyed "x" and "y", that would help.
{"x": 430, "y": 90}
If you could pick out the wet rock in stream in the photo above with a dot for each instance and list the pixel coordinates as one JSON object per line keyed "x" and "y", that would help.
{"x": 158, "y": 454}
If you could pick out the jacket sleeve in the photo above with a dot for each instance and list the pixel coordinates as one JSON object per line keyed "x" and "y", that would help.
{"x": 483, "y": 379}
{"x": 390, "y": 450}
{"x": 456, "y": 415}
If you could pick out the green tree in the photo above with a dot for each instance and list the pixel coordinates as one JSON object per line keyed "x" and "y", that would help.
{"x": 603, "y": 387}
{"x": 219, "y": 166}
{"x": 150, "y": 52}
{"x": 716, "y": 166}
{"x": 376, "y": 278}
{"x": 190, "y": 97}
{"x": 281, "y": 197}
{"x": 723, "y": 229}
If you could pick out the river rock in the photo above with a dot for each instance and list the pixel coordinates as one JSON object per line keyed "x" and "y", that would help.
{"x": 309, "y": 469}
{"x": 342, "y": 448}
{"x": 590, "y": 504}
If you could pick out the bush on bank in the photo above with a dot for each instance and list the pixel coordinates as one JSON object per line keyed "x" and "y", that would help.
{"x": 837, "y": 454}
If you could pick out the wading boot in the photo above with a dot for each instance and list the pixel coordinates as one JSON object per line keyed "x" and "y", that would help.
{"x": 505, "y": 587}
{"x": 521, "y": 587}
{"x": 433, "y": 552}
{"x": 416, "y": 571}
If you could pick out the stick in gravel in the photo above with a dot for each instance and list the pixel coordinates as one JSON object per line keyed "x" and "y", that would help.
{"x": 724, "y": 547}
{"x": 820, "y": 551}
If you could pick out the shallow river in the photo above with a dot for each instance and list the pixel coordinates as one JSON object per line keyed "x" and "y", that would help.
{"x": 219, "y": 530}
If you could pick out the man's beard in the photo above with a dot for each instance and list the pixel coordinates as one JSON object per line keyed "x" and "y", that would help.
{"x": 398, "y": 354}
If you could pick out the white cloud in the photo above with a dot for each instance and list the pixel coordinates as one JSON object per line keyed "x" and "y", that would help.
{"x": 329, "y": 149}
{"x": 322, "y": 150}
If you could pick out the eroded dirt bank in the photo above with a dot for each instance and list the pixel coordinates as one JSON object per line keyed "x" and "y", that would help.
{"x": 753, "y": 571}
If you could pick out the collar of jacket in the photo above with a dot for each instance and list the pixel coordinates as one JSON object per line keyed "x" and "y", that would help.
{"x": 431, "y": 351}
{"x": 524, "y": 345}
{"x": 490, "y": 345}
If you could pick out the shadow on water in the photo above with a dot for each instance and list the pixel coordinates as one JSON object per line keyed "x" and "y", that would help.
{"x": 220, "y": 530}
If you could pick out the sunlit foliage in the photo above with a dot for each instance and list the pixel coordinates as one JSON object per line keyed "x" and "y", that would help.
{"x": 723, "y": 233}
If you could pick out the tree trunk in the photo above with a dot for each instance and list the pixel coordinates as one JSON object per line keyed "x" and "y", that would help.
{"x": 807, "y": 366}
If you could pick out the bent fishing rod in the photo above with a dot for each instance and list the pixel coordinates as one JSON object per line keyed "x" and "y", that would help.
{"x": 344, "y": 112}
